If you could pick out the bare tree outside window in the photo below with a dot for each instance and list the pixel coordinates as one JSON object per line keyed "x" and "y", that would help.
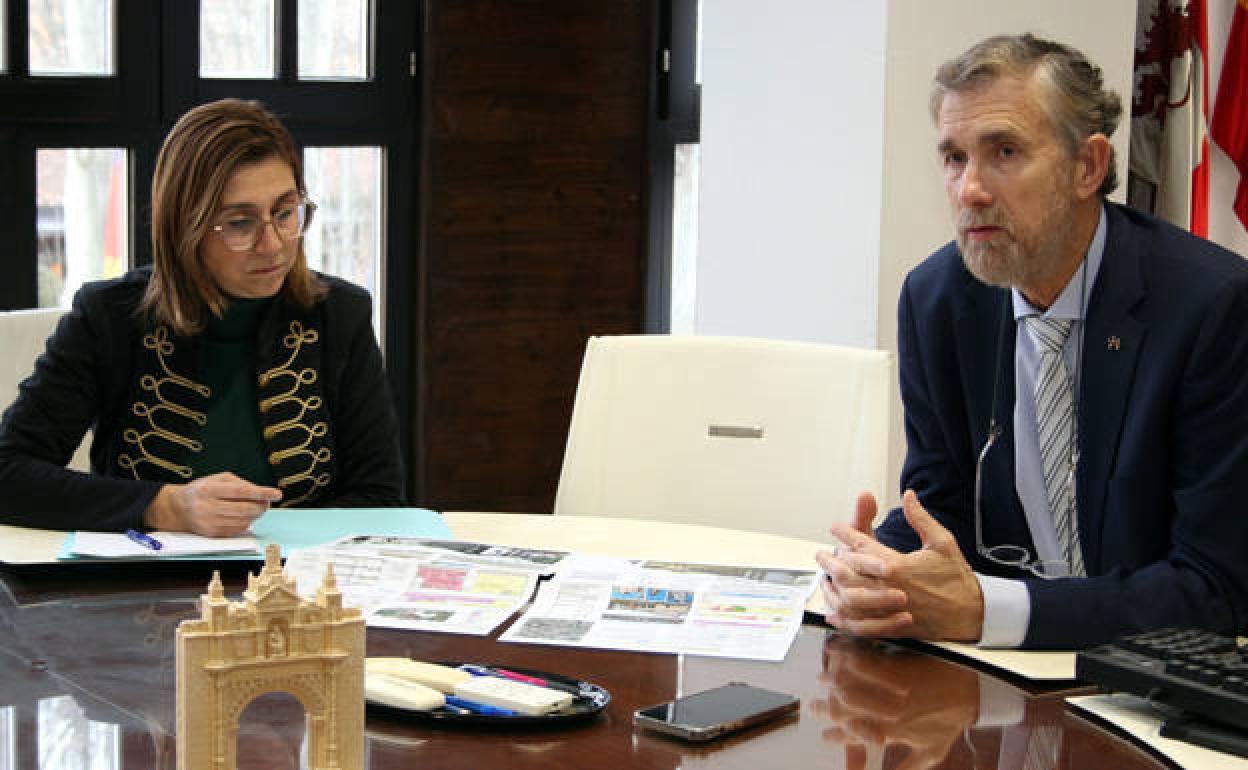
{"x": 71, "y": 37}
{"x": 333, "y": 40}
{"x": 345, "y": 239}
{"x": 236, "y": 39}
{"x": 80, "y": 198}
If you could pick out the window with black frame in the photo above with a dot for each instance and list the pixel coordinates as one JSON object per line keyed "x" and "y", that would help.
{"x": 89, "y": 87}
{"x": 675, "y": 163}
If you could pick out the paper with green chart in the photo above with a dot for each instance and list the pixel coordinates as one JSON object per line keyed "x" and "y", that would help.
{"x": 426, "y": 584}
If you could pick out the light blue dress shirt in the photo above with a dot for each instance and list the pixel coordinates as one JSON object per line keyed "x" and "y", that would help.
{"x": 1007, "y": 606}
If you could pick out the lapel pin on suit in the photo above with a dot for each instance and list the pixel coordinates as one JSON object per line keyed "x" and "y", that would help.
{"x": 1114, "y": 342}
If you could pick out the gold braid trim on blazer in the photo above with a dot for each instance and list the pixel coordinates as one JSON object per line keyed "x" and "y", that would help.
{"x": 153, "y": 433}
{"x": 167, "y": 414}
{"x": 288, "y": 413}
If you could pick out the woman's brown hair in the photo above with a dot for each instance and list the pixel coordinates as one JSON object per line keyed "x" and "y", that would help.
{"x": 200, "y": 154}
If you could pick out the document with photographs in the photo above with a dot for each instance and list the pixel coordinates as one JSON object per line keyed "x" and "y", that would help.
{"x": 652, "y": 606}
{"x": 423, "y": 584}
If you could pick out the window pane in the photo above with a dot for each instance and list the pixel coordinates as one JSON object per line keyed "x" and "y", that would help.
{"x": 333, "y": 39}
{"x": 71, "y": 37}
{"x": 80, "y": 197}
{"x": 236, "y": 39}
{"x": 685, "y": 171}
{"x": 345, "y": 239}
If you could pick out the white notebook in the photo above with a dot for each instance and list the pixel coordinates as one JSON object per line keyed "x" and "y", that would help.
{"x": 117, "y": 545}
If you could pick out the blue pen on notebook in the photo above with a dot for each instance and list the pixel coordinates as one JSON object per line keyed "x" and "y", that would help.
{"x": 143, "y": 539}
{"x": 479, "y": 708}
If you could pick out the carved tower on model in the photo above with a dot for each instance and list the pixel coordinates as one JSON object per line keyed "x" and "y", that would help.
{"x": 271, "y": 641}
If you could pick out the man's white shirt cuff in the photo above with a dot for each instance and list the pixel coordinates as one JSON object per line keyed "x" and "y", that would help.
{"x": 1007, "y": 609}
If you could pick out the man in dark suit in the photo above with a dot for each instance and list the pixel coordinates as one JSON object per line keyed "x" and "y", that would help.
{"x": 1075, "y": 382}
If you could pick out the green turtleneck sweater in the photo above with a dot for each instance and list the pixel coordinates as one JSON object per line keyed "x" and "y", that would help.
{"x": 232, "y": 439}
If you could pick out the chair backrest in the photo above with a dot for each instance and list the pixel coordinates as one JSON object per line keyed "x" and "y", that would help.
{"x": 23, "y": 337}
{"x": 754, "y": 434}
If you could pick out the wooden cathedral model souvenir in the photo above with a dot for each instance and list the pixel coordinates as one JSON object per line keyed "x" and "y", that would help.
{"x": 271, "y": 641}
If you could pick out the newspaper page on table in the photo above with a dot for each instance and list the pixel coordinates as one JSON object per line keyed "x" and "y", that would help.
{"x": 423, "y": 584}
{"x": 654, "y": 606}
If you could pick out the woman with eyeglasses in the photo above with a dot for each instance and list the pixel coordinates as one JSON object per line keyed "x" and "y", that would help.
{"x": 224, "y": 378}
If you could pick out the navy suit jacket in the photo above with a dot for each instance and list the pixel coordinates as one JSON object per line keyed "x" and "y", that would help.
{"x": 1163, "y": 428}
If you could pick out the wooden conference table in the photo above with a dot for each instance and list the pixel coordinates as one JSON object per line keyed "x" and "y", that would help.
{"x": 87, "y": 680}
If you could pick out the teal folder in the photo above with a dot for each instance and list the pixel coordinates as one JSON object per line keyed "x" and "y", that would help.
{"x": 293, "y": 528}
{"x": 305, "y": 527}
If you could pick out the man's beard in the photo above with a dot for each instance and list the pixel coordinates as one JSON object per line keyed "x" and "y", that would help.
{"x": 1011, "y": 261}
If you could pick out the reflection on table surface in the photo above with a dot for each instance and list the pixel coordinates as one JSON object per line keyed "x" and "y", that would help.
{"x": 87, "y": 681}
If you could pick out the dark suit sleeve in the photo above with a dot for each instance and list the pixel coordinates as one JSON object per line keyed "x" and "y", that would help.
{"x": 369, "y": 465}
{"x": 1200, "y": 577}
{"x": 931, "y": 470}
{"x": 54, "y": 409}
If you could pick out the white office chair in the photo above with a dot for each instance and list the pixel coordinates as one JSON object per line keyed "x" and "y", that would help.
{"x": 23, "y": 336}
{"x": 777, "y": 437}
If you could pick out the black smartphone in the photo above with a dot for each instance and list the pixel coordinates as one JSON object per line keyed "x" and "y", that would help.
{"x": 712, "y": 713}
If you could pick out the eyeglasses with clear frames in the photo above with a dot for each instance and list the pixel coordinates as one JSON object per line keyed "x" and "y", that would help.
{"x": 1007, "y": 555}
{"x": 241, "y": 232}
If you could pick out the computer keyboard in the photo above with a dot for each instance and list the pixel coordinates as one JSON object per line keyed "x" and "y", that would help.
{"x": 1203, "y": 674}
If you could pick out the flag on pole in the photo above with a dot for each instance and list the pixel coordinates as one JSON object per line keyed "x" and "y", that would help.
{"x": 1230, "y": 112}
{"x": 1169, "y": 166}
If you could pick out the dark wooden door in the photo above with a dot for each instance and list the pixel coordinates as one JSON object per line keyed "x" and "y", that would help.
{"x": 534, "y": 232}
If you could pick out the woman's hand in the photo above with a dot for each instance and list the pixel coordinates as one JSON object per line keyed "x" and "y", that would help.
{"x": 220, "y": 505}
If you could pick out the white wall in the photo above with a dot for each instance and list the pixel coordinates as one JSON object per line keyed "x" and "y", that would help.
{"x": 792, "y": 146}
{"x": 820, "y": 188}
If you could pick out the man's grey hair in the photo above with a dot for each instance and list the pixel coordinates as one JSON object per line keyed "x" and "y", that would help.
{"x": 1077, "y": 103}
